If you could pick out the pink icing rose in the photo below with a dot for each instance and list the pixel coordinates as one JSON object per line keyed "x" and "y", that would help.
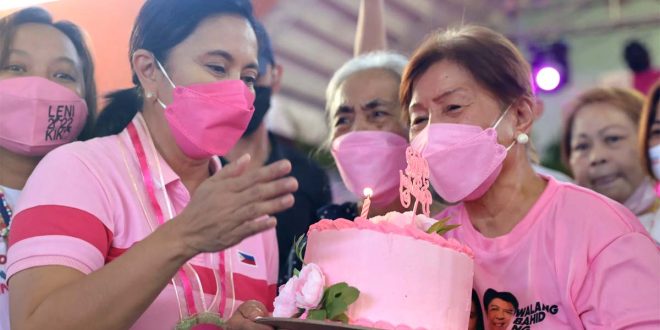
{"x": 310, "y": 286}
{"x": 285, "y": 302}
{"x": 403, "y": 220}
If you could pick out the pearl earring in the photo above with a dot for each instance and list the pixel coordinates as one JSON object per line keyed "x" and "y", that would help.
{"x": 522, "y": 138}
{"x": 148, "y": 95}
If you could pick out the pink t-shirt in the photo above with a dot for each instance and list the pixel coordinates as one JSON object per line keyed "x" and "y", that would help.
{"x": 86, "y": 204}
{"x": 644, "y": 81}
{"x": 577, "y": 260}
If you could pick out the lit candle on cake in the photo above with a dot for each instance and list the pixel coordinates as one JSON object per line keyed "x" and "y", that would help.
{"x": 367, "y": 192}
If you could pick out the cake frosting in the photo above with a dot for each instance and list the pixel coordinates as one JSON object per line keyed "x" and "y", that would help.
{"x": 407, "y": 278}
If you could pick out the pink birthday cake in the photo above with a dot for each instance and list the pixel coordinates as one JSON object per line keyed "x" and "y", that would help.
{"x": 388, "y": 272}
{"x": 407, "y": 278}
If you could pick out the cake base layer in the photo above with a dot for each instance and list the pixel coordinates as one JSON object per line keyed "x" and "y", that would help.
{"x": 403, "y": 281}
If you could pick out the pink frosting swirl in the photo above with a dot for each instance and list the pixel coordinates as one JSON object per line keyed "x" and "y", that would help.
{"x": 399, "y": 224}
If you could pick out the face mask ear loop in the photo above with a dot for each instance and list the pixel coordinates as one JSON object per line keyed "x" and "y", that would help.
{"x": 499, "y": 120}
{"x": 162, "y": 69}
{"x": 161, "y": 103}
{"x": 511, "y": 146}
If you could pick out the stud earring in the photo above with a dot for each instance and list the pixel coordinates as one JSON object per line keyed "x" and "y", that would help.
{"x": 522, "y": 138}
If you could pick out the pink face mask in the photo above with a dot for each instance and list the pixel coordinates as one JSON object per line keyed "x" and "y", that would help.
{"x": 38, "y": 115}
{"x": 371, "y": 159}
{"x": 208, "y": 119}
{"x": 464, "y": 160}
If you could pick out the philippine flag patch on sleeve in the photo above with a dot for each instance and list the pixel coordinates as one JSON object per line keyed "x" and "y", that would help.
{"x": 246, "y": 259}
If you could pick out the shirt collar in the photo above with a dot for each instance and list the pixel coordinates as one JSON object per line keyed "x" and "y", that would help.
{"x": 169, "y": 176}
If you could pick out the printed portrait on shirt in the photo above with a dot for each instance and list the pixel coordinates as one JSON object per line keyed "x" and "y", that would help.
{"x": 500, "y": 309}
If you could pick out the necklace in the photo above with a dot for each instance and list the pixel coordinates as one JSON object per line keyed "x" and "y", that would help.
{"x": 193, "y": 319}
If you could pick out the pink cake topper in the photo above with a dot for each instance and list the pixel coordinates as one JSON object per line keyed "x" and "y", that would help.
{"x": 415, "y": 182}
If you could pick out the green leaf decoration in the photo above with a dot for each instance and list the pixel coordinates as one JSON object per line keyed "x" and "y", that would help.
{"x": 334, "y": 303}
{"x": 296, "y": 272}
{"x": 441, "y": 227}
{"x": 299, "y": 246}
{"x": 339, "y": 297}
{"x": 337, "y": 308}
{"x": 437, "y": 226}
{"x": 333, "y": 291}
{"x": 350, "y": 295}
{"x": 446, "y": 229}
{"x": 343, "y": 318}
{"x": 317, "y": 314}
{"x": 325, "y": 298}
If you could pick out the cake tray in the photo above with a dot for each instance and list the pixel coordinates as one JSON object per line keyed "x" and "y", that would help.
{"x": 298, "y": 324}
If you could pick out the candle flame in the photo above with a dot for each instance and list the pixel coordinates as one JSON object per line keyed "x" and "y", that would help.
{"x": 368, "y": 192}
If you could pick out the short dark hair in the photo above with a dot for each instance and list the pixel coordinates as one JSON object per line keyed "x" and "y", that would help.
{"x": 266, "y": 55}
{"x": 10, "y": 24}
{"x": 637, "y": 56}
{"x": 506, "y": 296}
{"x": 160, "y": 26}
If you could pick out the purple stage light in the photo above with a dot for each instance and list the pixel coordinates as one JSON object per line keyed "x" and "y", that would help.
{"x": 548, "y": 78}
{"x": 550, "y": 66}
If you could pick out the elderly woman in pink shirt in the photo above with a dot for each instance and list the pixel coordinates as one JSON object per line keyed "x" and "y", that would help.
{"x": 140, "y": 229}
{"x": 566, "y": 257}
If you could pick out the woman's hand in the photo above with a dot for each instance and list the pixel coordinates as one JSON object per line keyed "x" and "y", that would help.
{"x": 233, "y": 205}
{"x": 244, "y": 317}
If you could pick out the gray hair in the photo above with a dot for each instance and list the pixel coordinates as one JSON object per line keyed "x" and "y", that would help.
{"x": 375, "y": 60}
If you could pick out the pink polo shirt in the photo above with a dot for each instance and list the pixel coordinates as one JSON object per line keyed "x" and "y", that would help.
{"x": 81, "y": 209}
{"x": 577, "y": 260}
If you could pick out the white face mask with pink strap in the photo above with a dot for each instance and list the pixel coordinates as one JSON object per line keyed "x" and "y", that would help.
{"x": 38, "y": 115}
{"x": 464, "y": 160}
{"x": 371, "y": 159}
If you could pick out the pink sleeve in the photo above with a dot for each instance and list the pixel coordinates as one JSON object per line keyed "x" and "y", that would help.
{"x": 62, "y": 217}
{"x": 622, "y": 287}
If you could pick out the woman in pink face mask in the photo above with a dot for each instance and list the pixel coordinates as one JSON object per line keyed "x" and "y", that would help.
{"x": 368, "y": 137}
{"x": 47, "y": 99}
{"x": 558, "y": 248}
{"x": 140, "y": 228}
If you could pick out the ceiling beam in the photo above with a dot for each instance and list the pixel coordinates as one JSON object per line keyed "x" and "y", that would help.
{"x": 303, "y": 62}
{"x": 348, "y": 14}
{"x": 327, "y": 38}
{"x": 302, "y": 97}
{"x": 604, "y": 27}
